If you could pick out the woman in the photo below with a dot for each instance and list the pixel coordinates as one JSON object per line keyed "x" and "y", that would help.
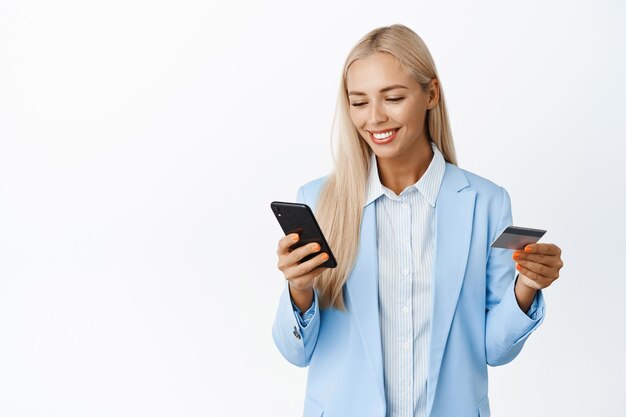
{"x": 419, "y": 303}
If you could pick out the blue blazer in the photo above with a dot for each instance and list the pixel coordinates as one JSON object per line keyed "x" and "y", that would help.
{"x": 475, "y": 318}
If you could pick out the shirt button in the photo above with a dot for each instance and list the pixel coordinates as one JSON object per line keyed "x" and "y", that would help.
{"x": 405, "y": 309}
{"x": 406, "y": 241}
{"x": 405, "y": 205}
{"x": 406, "y": 345}
{"x": 405, "y": 271}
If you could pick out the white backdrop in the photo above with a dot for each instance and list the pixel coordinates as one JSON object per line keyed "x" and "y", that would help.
{"x": 141, "y": 143}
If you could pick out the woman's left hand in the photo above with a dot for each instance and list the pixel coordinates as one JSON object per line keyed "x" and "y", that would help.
{"x": 538, "y": 265}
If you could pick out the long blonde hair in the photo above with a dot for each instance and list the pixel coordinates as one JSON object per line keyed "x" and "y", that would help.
{"x": 340, "y": 204}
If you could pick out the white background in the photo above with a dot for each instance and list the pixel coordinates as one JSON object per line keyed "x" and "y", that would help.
{"x": 141, "y": 143}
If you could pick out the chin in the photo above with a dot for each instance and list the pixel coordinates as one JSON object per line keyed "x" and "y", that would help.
{"x": 386, "y": 153}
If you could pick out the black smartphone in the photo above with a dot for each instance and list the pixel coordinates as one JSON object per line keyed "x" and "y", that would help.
{"x": 298, "y": 218}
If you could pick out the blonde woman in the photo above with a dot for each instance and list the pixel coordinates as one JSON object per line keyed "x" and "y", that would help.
{"x": 419, "y": 303}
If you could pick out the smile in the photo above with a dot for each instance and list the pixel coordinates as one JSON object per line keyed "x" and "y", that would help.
{"x": 383, "y": 137}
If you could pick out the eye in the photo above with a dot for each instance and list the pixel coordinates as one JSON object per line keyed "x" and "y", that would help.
{"x": 391, "y": 99}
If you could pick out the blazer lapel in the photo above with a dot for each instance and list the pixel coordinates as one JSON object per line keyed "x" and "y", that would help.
{"x": 362, "y": 295}
{"x": 454, "y": 211}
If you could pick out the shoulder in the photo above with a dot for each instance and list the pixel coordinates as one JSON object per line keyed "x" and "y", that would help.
{"x": 489, "y": 196}
{"x": 486, "y": 190}
{"x": 309, "y": 191}
{"x": 481, "y": 184}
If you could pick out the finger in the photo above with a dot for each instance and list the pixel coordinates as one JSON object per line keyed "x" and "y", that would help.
{"x": 304, "y": 268}
{"x": 291, "y": 259}
{"x": 548, "y": 260}
{"x": 286, "y": 242}
{"x": 538, "y": 282}
{"x": 533, "y": 283}
{"x": 543, "y": 248}
{"x": 539, "y": 269}
{"x": 297, "y": 254}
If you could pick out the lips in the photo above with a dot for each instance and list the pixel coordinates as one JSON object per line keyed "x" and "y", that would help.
{"x": 385, "y": 139}
{"x": 384, "y": 130}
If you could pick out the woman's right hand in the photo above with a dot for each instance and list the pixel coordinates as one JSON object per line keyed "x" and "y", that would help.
{"x": 301, "y": 277}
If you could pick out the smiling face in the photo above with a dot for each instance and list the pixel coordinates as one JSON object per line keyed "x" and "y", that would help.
{"x": 388, "y": 107}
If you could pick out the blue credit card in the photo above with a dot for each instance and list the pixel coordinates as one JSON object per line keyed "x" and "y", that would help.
{"x": 515, "y": 237}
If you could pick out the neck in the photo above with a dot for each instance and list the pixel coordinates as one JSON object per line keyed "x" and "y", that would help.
{"x": 406, "y": 169}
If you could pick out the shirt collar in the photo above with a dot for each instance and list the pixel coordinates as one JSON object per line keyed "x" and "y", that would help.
{"x": 428, "y": 184}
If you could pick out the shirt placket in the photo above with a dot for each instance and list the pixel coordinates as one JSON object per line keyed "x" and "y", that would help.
{"x": 405, "y": 308}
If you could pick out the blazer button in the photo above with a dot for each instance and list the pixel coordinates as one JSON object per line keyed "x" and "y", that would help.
{"x": 295, "y": 332}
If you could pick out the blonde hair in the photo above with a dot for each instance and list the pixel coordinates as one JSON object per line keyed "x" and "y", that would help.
{"x": 340, "y": 203}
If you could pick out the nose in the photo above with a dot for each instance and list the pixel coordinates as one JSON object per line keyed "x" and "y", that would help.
{"x": 377, "y": 114}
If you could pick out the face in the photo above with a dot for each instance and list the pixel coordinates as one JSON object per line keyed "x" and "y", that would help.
{"x": 387, "y": 106}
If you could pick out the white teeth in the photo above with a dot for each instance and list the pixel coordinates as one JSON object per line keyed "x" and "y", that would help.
{"x": 383, "y": 135}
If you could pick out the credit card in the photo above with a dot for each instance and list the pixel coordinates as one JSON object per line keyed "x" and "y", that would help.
{"x": 515, "y": 237}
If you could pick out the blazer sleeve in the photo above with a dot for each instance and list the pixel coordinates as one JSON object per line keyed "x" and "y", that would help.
{"x": 507, "y": 326}
{"x": 295, "y": 341}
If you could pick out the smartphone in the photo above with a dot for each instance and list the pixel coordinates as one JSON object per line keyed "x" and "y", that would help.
{"x": 298, "y": 218}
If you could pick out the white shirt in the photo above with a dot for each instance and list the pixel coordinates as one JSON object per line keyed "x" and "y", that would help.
{"x": 406, "y": 237}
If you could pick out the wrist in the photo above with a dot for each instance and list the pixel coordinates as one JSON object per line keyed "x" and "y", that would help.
{"x": 524, "y": 294}
{"x": 302, "y": 298}
{"x": 293, "y": 289}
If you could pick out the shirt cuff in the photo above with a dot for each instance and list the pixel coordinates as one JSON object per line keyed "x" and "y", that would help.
{"x": 304, "y": 319}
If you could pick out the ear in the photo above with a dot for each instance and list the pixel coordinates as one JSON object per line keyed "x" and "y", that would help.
{"x": 433, "y": 93}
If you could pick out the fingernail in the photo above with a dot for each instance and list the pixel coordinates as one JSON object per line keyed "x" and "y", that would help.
{"x": 516, "y": 255}
{"x": 528, "y": 249}
{"x": 324, "y": 256}
{"x": 316, "y": 247}
{"x": 518, "y": 266}
{"x": 295, "y": 238}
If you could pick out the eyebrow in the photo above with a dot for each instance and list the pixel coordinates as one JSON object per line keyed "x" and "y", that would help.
{"x": 391, "y": 87}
